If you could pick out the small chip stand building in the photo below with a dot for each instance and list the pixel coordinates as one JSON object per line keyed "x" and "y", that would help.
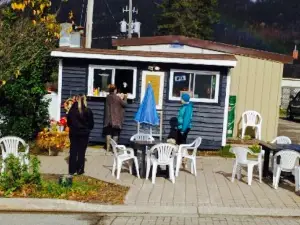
{"x": 204, "y": 76}
{"x": 255, "y": 81}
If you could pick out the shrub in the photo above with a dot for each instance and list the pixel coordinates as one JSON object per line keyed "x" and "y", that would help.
{"x": 26, "y": 65}
{"x": 225, "y": 152}
{"x": 15, "y": 175}
{"x": 23, "y": 110}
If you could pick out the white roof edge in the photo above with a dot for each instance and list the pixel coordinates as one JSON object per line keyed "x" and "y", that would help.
{"x": 212, "y": 62}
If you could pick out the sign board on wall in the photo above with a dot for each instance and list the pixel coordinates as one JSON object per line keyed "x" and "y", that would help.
{"x": 155, "y": 83}
{"x": 156, "y": 79}
{"x": 180, "y": 78}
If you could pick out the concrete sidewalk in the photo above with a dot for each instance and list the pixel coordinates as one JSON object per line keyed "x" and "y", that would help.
{"x": 65, "y": 206}
{"x": 211, "y": 188}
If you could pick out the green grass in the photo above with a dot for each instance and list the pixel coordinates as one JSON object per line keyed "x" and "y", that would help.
{"x": 225, "y": 152}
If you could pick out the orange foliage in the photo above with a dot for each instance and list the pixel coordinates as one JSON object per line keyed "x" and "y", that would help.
{"x": 52, "y": 138}
{"x": 39, "y": 12}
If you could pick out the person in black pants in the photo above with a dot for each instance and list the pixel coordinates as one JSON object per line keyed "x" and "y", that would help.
{"x": 80, "y": 121}
{"x": 182, "y": 136}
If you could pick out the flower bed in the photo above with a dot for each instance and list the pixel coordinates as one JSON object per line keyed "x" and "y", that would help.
{"x": 237, "y": 141}
{"x": 55, "y": 138}
{"x": 54, "y": 142}
{"x": 26, "y": 182}
{"x": 84, "y": 189}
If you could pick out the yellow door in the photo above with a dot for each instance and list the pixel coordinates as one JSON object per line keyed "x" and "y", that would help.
{"x": 156, "y": 79}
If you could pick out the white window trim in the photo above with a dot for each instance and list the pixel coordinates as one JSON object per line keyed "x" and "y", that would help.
{"x": 113, "y": 68}
{"x": 206, "y": 100}
{"x": 161, "y": 87}
{"x": 60, "y": 75}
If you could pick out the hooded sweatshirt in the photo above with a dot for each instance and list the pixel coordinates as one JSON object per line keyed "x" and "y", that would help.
{"x": 80, "y": 124}
{"x": 185, "y": 116}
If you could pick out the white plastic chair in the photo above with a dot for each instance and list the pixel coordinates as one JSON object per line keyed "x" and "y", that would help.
{"x": 281, "y": 140}
{"x": 183, "y": 153}
{"x": 165, "y": 157}
{"x": 10, "y": 145}
{"x": 141, "y": 137}
{"x": 289, "y": 162}
{"x": 241, "y": 160}
{"x": 121, "y": 154}
{"x": 252, "y": 119}
{"x": 296, "y": 173}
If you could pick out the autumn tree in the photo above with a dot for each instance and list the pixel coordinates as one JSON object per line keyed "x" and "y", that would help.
{"x": 192, "y": 18}
{"x": 28, "y": 34}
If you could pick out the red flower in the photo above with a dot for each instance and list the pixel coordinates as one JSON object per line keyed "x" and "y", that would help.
{"x": 63, "y": 121}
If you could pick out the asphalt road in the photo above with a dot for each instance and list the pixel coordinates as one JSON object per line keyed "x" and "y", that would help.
{"x": 290, "y": 129}
{"x": 96, "y": 219}
{"x": 48, "y": 219}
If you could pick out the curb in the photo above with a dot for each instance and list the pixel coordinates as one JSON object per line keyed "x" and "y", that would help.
{"x": 67, "y": 206}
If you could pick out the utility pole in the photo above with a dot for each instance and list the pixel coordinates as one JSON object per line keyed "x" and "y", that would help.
{"x": 130, "y": 23}
{"x": 89, "y": 23}
{"x": 130, "y": 20}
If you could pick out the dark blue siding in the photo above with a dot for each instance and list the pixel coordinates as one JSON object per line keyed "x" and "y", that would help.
{"x": 207, "y": 120}
{"x": 73, "y": 80}
{"x": 207, "y": 117}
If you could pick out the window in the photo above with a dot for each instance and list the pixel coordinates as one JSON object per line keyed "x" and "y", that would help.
{"x": 203, "y": 86}
{"x": 101, "y": 76}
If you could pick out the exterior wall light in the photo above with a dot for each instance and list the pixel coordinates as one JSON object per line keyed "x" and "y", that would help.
{"x": 153, "y": 68}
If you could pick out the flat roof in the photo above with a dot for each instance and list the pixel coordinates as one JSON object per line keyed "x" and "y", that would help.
{"x": 143, "y": 56}
{"x": 199, "y": 43}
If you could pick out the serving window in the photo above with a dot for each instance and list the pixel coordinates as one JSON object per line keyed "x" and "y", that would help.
{"x": 100, "y": 77}
{"x": 203, "y": 86}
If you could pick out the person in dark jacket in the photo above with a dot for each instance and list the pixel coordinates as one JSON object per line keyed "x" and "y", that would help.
{"x": 114, "y": 114}
{"x": 185, "y": 115}
{"x": 80, "y": 121}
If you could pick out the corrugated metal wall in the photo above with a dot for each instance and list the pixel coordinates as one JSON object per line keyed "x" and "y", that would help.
{"x": 257, "y": 85}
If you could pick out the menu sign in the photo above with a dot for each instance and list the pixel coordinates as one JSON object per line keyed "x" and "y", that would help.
{"x": 155, "y": 83}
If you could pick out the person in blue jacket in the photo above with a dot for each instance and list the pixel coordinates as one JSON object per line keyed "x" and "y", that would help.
{"x": 184, "y": 118}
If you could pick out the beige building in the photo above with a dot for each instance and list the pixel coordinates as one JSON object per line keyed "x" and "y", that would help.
{"x": 255, "y": 81}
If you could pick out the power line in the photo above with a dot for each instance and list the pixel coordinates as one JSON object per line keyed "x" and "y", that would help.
{"x": 112, "y": 15}
{"x": 82, "y": 8}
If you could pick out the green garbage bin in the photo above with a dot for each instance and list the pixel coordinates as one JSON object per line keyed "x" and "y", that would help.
{"x": 231, "y": 115}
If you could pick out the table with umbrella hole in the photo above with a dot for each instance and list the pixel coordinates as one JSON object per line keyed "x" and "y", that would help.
{"x": 146, "y": 114}
{"x": 274, "y": 148}
{"x": 143, "y": 146}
